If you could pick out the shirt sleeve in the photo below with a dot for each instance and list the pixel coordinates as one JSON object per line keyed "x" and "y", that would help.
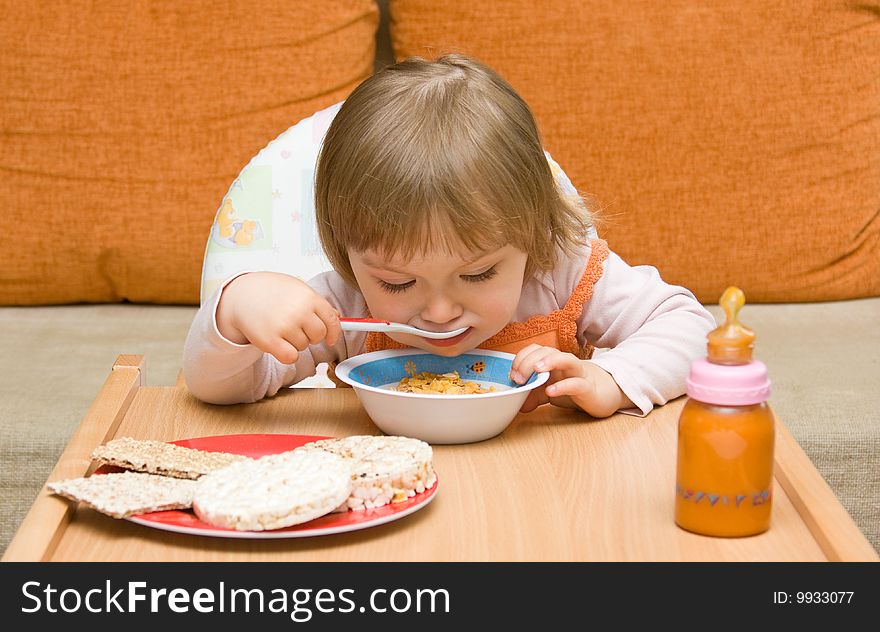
{"x": 646, "y": 331}
{"x": 219, "y": 371}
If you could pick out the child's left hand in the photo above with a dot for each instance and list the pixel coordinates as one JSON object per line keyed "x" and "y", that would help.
{"x": 573, "y": 383}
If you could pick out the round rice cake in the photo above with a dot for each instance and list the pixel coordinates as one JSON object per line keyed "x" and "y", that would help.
{"x": 274, "y": 491}
{"x": 384, "y": 469}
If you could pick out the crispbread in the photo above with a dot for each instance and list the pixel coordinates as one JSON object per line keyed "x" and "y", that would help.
{"x": 275, "y": 491}
{"x": 384, "y": 469}
{"x": 157, "y": 457}
{"x": 127, "y": 493}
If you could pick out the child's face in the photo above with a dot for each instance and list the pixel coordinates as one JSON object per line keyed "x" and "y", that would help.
{"x": 441, "y": 292}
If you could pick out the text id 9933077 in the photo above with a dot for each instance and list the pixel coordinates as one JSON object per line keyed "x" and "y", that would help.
{"x": 819, "y": 597}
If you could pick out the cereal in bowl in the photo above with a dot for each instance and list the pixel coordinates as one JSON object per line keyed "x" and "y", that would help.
{"x": 440, "y": 384}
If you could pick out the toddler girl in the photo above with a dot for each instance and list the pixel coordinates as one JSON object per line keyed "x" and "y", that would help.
{"x": 437, "y": 207}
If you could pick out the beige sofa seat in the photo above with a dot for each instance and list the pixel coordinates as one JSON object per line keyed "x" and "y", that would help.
{"x": 822, "y": 359}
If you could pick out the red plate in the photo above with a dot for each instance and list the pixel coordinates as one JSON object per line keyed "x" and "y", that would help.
{"x": 255, "y": 446}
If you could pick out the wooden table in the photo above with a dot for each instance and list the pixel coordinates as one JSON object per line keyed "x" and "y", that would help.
{"x": 555, "y": 486}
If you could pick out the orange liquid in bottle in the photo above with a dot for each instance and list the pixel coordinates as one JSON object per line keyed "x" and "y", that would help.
{"x": 724, "y": 473}
{"x": 725, "y": 469}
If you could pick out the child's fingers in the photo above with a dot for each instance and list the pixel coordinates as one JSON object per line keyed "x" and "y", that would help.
{"x": 514, "y": 374}
{"x": 295, "y": 335}
{"x": 330, "y": 317}
{"x": 285, "y": 352}
{"x": 520, "y": 371}
{"x": 576, "y": 388}
{"x": 521, "y": 355}
{"x": 559, "y": 361}
{"x": 314, "y": 328}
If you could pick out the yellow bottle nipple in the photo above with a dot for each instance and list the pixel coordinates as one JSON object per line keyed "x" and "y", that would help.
{"x": 731, "y": 342}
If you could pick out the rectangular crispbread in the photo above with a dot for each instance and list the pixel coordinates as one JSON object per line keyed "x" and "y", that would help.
{"x": 166, "y": 459}
{"x": 127, "y": 493}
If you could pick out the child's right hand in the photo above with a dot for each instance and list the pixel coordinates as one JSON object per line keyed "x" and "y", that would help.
{"x": 277, "y": 313}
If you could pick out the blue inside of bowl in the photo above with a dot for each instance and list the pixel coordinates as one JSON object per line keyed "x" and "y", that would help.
{"x": 469, "y": 366}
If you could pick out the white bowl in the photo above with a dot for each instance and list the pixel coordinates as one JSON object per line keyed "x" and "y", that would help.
{"x": 438, "y": 418}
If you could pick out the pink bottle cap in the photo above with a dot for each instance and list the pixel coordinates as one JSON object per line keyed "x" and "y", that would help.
{"x": 728, "y": 384}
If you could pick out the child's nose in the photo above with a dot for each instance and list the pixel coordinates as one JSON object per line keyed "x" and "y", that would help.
{"x": 441, "y": 309}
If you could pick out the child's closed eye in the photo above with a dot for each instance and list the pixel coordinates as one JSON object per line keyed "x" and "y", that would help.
{"x": 394, "y": 288}
{"x": 482, "y": 276}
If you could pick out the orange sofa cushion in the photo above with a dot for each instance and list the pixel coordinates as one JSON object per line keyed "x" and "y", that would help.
{"x": 124, "y": 124}
{"x": 725, "y": 143}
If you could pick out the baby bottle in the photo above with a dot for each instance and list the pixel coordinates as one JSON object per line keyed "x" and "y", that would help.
{"x": 725, "y": 435}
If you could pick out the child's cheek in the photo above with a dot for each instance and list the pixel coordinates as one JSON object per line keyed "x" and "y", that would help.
{"x": 387, "y": 306}
{"x": 500, "y": 303}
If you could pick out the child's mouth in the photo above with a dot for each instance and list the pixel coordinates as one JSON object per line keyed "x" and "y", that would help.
{"x": 448, "y": 342}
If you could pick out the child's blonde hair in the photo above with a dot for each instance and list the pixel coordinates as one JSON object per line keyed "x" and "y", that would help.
{"x": 439, "y": 154}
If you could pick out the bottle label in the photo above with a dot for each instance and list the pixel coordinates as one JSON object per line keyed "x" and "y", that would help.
{"x": 710, "y": 499}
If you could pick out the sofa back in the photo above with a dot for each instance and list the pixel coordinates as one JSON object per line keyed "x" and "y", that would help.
{"x": 125, "y": 122}
{"x": 722, "y": 142}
